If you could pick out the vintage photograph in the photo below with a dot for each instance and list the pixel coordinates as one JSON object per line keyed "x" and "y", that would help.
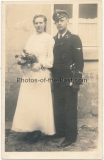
{"x": 52, "y": 79}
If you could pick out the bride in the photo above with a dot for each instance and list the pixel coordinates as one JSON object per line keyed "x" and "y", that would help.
{"x": 34, "y": 110}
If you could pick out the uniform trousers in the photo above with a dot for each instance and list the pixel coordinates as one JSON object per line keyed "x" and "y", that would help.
{"x": 65, "y": 105}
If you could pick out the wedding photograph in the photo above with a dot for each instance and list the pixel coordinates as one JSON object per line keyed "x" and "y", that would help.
{"x": 52, "y": 79}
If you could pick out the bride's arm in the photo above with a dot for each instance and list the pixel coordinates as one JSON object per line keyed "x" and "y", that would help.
{"x": 48, "y": 61}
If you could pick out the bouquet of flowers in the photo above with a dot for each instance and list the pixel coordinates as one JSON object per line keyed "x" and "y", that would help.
{"x": 26, "y": 59}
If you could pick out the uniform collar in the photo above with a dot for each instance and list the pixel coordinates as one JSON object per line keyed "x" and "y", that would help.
{"x": 61, "y": 34}
{"x": 67, "y": 35}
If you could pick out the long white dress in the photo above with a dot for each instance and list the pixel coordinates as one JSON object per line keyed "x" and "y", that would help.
{"x": 34, "y": 110}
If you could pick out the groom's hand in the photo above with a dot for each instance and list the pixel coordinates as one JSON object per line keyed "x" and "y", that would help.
{"x": 75, "y": 87}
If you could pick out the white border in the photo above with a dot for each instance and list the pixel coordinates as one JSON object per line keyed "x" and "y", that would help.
{"x": 51, "y": 155}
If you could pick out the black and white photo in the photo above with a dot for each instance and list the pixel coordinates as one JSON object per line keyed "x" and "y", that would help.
{"x": 52, "y": 79}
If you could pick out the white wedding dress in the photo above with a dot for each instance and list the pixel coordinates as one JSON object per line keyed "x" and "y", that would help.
{"x": 34, "y": 110}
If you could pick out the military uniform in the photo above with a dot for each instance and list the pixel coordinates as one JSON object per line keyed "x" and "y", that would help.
{"x": 67, "y": 51}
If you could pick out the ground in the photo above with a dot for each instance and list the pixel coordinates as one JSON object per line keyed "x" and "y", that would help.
{"x": 86, "y": 141}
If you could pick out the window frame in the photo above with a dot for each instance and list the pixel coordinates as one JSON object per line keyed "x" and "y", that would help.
{"x": 90, "y": 51}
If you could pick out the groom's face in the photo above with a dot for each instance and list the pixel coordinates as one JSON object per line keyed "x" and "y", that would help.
{"x": 62, "y": 23}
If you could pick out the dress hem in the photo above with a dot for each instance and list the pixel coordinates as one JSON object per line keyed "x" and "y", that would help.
{"x": 18, "y": 130}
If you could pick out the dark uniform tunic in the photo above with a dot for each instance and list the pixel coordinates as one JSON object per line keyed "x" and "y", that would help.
{"x": 67, "y": 50}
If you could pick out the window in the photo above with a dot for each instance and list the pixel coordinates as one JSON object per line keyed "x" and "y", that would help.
{"x": 88, "y": 11}
{"x": 83, "y": 21}
{"x": 87, "y": 24}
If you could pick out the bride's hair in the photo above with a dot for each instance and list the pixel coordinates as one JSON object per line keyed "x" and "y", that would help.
{"x": 40, "y": 15}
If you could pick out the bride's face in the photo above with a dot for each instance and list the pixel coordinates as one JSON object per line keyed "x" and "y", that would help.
{"x": 39, "y": 24}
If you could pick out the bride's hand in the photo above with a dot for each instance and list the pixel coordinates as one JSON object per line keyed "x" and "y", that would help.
{"x": 36, "y": 67}
{"x": 25, "y": 69}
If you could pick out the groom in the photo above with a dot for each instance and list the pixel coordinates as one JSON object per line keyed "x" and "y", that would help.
{"x": 67, "y": 73}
